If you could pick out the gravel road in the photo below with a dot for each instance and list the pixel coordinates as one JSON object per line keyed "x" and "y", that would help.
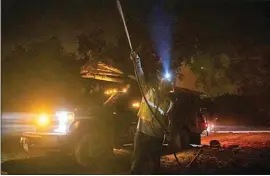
{"x": 252, "y": 156}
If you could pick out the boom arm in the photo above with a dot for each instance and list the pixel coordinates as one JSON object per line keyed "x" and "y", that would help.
{"x": 104, "y": 72}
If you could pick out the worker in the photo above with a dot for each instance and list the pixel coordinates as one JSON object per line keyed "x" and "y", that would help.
{"x": 149, "y": 135}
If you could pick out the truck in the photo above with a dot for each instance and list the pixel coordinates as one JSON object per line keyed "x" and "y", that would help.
{"x": 92, "y": 131}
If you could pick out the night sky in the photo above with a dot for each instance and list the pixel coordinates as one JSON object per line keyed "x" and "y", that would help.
{"x": 26, "y": 20}
{"x": 234, "y": 28}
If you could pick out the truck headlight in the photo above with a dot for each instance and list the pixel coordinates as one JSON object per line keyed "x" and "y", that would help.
{"x": 43, "y": 120}
{"x": 64, "y": 119}
{"x": 124, "y": 90}
{"x": 62, "y": 128}
{"x": 136, "y": 105}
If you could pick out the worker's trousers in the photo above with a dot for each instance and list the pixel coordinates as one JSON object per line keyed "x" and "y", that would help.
{"x": 147, "y": 153}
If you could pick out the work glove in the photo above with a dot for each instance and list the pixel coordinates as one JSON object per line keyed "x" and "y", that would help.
{"x": 134, "y": 55}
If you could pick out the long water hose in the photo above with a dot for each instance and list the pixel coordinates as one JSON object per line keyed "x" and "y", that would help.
{"x": 134, "y": 64}
{"x": 141, "y": 89}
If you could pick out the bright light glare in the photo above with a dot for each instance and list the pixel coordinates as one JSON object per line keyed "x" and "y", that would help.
{"x": 43, "y": 120}
{"x": 136, "y": 105}
{"x": 112, "y": 91}
{"x": 62, "y": 128}
{"x": 168, "y": 76}
{"x": 70, "y": 117}
{"x": 62, "y": 117}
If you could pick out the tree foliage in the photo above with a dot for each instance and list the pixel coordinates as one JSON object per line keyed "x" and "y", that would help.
{"x": 225, "y": 40}
{"x": 93, "y": 47}
{"x": 38, "y": 74}
{"x": 212, "y": 73}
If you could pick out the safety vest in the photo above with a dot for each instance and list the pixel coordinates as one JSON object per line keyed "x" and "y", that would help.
{"x": 147, "y": 122}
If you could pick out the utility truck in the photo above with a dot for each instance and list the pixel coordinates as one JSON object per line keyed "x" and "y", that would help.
{"x": 90, "y": 132}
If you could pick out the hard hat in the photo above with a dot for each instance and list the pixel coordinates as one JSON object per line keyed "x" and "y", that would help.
{"x": 166, "y": 84}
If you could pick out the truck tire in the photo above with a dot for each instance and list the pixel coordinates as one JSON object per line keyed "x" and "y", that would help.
{"x": 205, "y": 133}
{"x": 195, "y": 138}
{"x": 57, "y": 154}
{"x": 180, "y": 140}
{"x": 184, "y": 139}
{"x": 92, "y": 149}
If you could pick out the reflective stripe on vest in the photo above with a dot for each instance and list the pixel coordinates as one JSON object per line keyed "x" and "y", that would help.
{"x": 145, "y": 113}
{"x": 155, "y": 107}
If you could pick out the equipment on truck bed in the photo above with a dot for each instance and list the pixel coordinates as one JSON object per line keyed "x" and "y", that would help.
{"x": 104, "y": 72}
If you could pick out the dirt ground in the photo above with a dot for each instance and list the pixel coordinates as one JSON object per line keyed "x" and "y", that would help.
{"x": 251, "y": 157}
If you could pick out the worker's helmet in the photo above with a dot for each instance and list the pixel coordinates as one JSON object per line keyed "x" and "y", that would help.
{"x": 166, "y": 85}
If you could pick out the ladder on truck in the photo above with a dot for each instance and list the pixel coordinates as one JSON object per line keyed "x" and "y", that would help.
{"x": 104, "y": 72}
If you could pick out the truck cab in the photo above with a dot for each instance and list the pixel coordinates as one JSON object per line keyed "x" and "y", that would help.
{"x": 108, "y": 120}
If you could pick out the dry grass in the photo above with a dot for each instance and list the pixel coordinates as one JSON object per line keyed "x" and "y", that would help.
{"x": 253, "y": 157}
